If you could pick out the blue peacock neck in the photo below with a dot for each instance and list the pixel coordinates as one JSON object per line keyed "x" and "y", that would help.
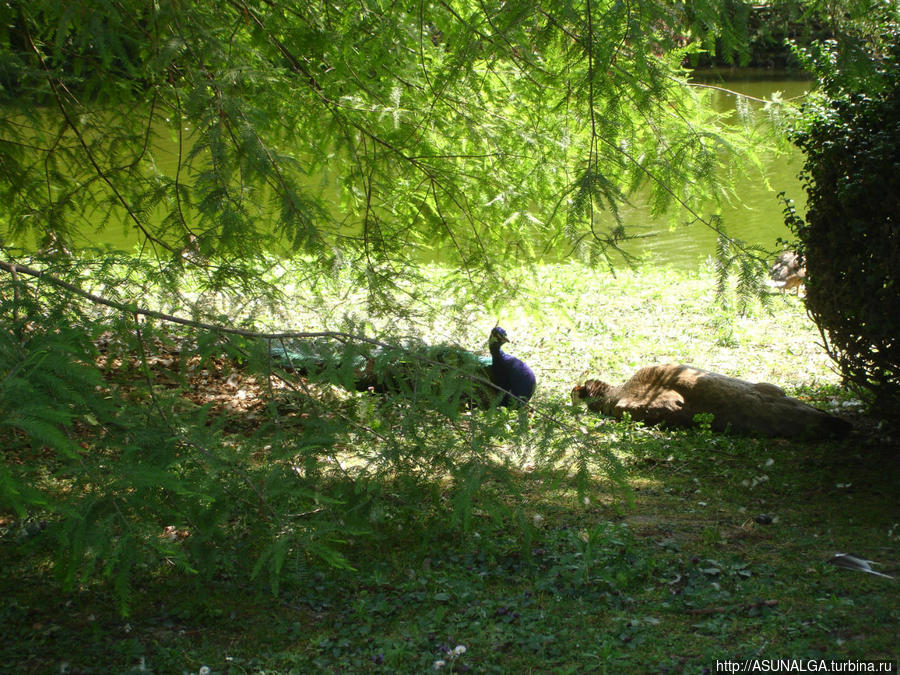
{"x": 496, "y": 350}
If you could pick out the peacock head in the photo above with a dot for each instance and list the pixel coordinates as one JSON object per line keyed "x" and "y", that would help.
{"x": 498, "y": 337}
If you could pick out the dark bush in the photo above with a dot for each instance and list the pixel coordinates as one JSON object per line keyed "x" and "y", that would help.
{"x": 851, "y": 137}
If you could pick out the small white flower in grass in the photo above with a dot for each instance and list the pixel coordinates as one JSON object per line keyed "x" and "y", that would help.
{"x": 538, "y": 519}
{"x": 440, "y": 663}
{"x": 459, "y": 650}
{"x": 204, "y": 670}
{"x": 587, "y": 501}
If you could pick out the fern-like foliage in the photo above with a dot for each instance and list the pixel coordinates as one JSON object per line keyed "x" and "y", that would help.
{"x": 745, "y": 264}
{"x": 120, "y": 446}
{"x": 483, "y": 134}
{"x": 362, "y": 139}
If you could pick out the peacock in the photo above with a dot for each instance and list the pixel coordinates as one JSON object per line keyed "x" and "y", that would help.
{"x": 414, "y": 368}
{"x": 510, "y": 374}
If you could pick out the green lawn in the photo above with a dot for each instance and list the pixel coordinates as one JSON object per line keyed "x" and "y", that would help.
{"x": 551, "y": 575}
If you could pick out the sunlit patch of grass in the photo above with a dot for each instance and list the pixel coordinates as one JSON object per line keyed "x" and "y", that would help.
{"x": 569, "y": 322}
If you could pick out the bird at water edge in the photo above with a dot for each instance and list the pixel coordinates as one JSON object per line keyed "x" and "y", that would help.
{"x": 788, "y": 271}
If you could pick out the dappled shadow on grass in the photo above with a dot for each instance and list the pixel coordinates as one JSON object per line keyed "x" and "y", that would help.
{"x": 536, "y": 569}
{"x": 527, "y": 564}
{"x": 564, "y": 580}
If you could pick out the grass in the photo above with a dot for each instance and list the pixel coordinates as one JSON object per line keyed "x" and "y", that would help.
{"x": 679, "y": 574}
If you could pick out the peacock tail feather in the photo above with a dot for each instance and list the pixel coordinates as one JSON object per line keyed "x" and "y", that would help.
{"x": 413, "y": 369}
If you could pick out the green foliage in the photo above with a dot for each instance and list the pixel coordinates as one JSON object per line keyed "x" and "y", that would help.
{"x": 132, "y": 474}
{"x": 115, "y": 471}
{"x": 354, "y": 135}
{"x": 155, "y": 475}
{"x": 358, "y": 137}
{"x": 747, "y": 264}
{"x": 849, "y": 239}
{"x": 855, "y": 31}
{"x": 46, "y": 386}
{"x": 761, "y": 35}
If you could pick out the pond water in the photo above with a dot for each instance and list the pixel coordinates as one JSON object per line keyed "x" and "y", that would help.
{"x": 756, "y": 217}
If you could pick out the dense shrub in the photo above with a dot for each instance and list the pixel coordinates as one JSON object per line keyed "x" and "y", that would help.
{"x": 851, "y": 137}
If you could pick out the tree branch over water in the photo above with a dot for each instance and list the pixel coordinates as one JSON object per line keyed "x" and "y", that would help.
{"x": 501, "y": 130}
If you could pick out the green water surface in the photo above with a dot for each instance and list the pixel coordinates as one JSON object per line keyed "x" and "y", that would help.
{"x": 755, "y": 216}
